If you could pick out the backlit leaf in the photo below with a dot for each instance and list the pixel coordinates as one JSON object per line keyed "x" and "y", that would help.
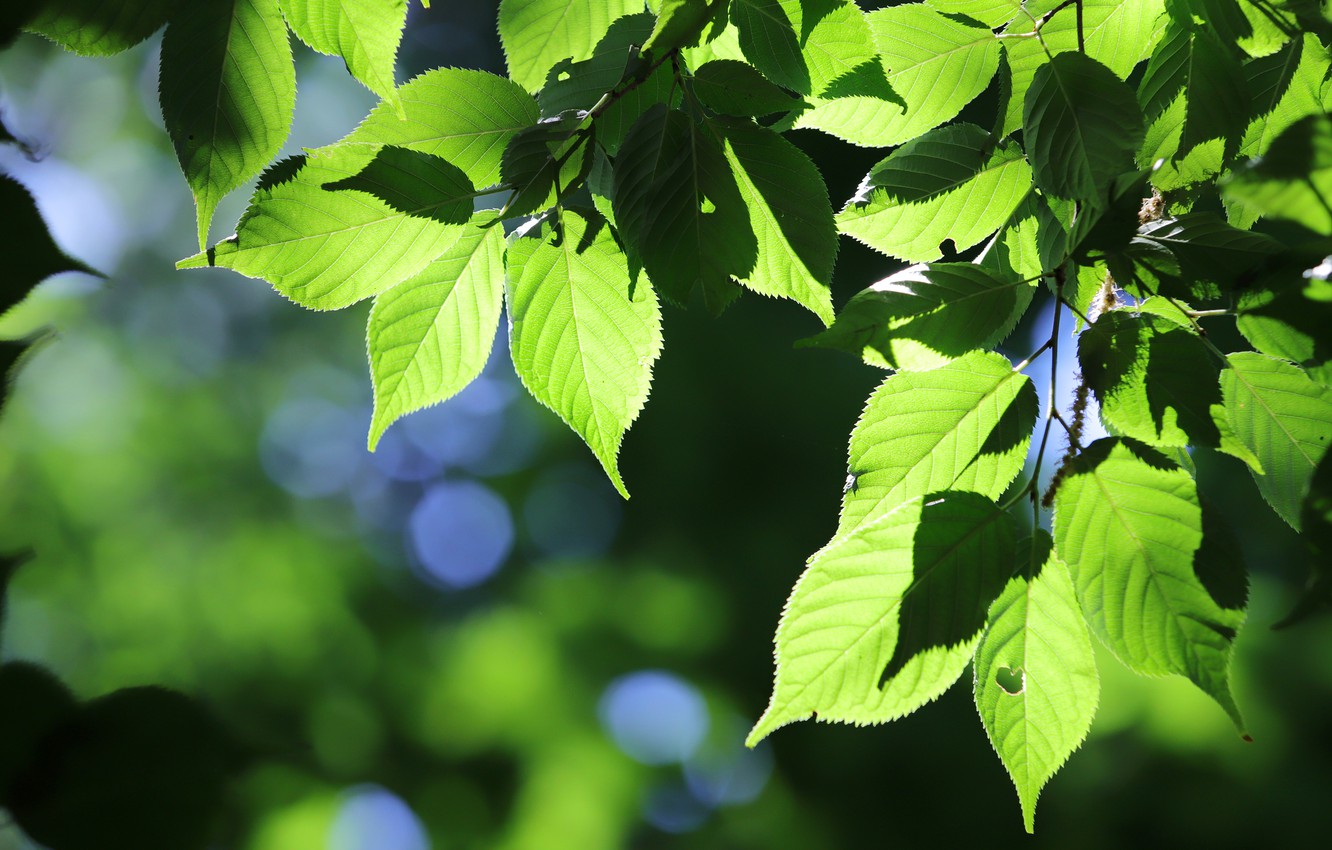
{"x": 537, "y": 34}
{"x": 430, "y": 335}
{"x": 1285, "y": 419}
{"x": 97, "y": 27}
{"x": 325, "y": 249}
{"x": 924, "y": 316}
{"x": 365, "y": 34}
{"x": 886, "y": 617}
{"x": 227, "y": 89}
{"x": 953, "y": 183}
{"x": 934, "y": 64}
{"x": 584, "y": 330}
{"x": 1129, "y": 525}
{"x": 1036, "y": 635}
{"x": 789, "y": 213}
{"x": 465, "y": 117}
{"x": 963, "y": 426}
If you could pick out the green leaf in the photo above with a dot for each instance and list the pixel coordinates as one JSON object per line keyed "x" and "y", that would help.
{"x": 1193, "y": 60}
{"x": 963, "y": 426}
{"x": 885, "y": 618}
{"x": 544, "y": 163}
{"x": 430, "y": 335}
{"x": 328, "y": 249}
{"x": 465, "y": 117}
{"x": 1283, "y": 317}
{"x": 1014, "y": 252}
{"x": 952, "y": 183}
{"x": 1129, "y": 525}
{"x": 789, "y": 212}
{"x": 734, "y": 88}
{"x": 31, "y": 254}
{"x": 98, "y": 27}
{"x": 1285, "y": 419}
{"x": 1294, "y": 179}
{"x": 927, "y": 315}
{"x": 679, "y": 209}
{"x": 227, "y": 88}
{"x": 836, "y": 46}
{"x": 1156, "y": 382}
{"x": 584, "y": 330}
{"x": 1287, "y": 86}
{"x": 771, "y": 42}
{"x": 537, "y": 34}
{"x": 935, "y": 66}
{"x": 1036, "y": 635}
{"x": 1082, "y": 127}
{"x": 365, "y": 34}
{"x": 1118, "y": 33}
{"x": 1161, "y": 144}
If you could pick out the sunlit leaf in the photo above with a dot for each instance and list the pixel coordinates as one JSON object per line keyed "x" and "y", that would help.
{"x": 886, "y": 617}
{"x": 953, "y": 183}
{"x": 935, "y": 65}
{"x": 1285, "y": 419}
{"x": 1036, "y": 683}
{"x": 789, "y": 213}
{"x": 397, "y": 210}
{"x": 1129, "y": 525}
{"x": 1294, "y": 179}
{"x": 365, "y": 34}
{"x": 924, "y": 316}
{"x": 228, "y": 89}
{"x": 963, "y": 426}
{"x": 1156, "y": 382}
{"x": 537, "y": 34}
{"x": 430, "y": 335}
{"x": 584, "y": 330}
{"x": 465, "y": 117}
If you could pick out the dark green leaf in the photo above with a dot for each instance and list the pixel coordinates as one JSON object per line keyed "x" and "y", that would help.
{"x": 544, "y": 163}
{"x": 771, "y": 42}
{"x": 31, "y": 254}
{"x": 1316, "y": 525}
{"x": 678, "y": 206}
{"x": 1213, "y": 257}
{"x": 1192, "y": 60}
{"x": 734, "y": 88}
{"x": 1082, "y": 127}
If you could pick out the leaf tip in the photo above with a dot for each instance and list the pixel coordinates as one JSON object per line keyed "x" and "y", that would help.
{"x": 200, "y": 260}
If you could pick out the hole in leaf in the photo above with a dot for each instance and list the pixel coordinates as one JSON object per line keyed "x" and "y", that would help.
{"x": 1012, "y": 679}
{"x": 706, "y": 205}
{"x": 563, "y": 75}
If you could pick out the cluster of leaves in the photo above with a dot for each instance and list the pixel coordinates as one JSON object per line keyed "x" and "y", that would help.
{"x": 635, "y": 152}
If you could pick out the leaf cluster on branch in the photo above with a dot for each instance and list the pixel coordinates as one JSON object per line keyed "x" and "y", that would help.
{"x": 1152, "y": 166}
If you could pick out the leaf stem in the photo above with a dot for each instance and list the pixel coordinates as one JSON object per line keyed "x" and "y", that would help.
{"x": 1030, "y": 357}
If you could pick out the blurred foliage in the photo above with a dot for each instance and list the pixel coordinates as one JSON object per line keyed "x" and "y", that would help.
{"x": 185, "y": 460}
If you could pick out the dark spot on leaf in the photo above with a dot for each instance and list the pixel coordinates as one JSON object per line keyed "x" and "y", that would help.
{"x": 1013, "y": 680}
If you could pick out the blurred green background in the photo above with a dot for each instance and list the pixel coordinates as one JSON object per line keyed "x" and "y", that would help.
{"x": 466, "y": 640}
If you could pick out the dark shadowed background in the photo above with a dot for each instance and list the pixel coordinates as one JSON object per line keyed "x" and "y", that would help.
{"x": 466, "y": 640}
